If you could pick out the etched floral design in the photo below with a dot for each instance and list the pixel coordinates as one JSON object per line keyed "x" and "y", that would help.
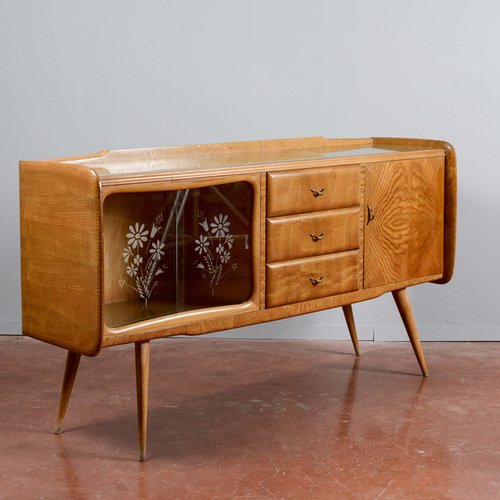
{"x": 203, "y": 243}
{"x": 154, "y": 230}
{"x": 142, "y": 258}
{"x": 214, "y": 246}
{"x": 229, "y": 241}
{"x": 220, "y": 225}
{"x": 157, "y": 250}
{"x": 132, "y": 270}
{"x": 137, "y": 235}
{"x": 225, "y": 257}
{"x": 127, "y": 253}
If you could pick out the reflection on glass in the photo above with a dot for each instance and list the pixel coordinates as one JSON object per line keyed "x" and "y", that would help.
{"x": 169, "y": 161}
{"x": 173, "y": 251}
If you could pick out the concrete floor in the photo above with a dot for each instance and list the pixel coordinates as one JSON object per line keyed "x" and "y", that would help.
{"x": 254, "y": 419}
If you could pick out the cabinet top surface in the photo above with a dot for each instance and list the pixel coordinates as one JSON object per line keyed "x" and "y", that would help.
{"x": 211, "y": 157}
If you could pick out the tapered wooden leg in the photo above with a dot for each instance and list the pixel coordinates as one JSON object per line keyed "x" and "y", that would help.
{"x": 404, "y": 307}
{"x": 142, "y": 382}
{"x": 72, "y": 362}
{"x": 351, "y": 325}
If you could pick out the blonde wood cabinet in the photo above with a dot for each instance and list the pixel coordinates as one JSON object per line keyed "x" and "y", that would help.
{"x": 127, "y": 246}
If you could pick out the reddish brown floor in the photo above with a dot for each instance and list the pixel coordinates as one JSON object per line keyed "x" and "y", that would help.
{"x": 255, "y": 419}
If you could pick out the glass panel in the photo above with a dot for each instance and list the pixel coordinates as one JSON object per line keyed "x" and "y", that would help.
{"x": 173, "y": 251}
{"x": 124, "y": 166}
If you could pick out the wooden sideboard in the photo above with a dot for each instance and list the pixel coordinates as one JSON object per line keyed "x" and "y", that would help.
{"x": 131, "y": 245}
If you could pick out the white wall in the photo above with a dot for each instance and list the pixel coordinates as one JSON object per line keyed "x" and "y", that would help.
{"x": 76, "y": 77}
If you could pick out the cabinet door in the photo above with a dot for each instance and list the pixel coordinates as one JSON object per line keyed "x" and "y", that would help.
{"x": 404, "y": 203}
{"x": 167, "y": 252}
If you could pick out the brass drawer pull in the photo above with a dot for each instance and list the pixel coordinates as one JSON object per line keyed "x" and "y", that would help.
{"x": 321, "y": 192}
{"x": 316, "y": 281}
{"x": 371, "y": 214}
{"x": 317, "y": 237}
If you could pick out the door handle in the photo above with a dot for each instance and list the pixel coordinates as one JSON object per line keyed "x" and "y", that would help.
{"x": 317, "y": 237}
{"x": 316, "y": 281}
{"x": 316, "y": 193}
{"x": 371, "y": 214}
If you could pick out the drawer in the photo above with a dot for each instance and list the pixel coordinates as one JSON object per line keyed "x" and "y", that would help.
{"x": 312, "y": 278}
{"x": 312, "y": 189}
{"x": 314, "y": 233}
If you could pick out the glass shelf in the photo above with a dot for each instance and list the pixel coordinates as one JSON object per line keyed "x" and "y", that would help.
{"x": 166, "y": 160}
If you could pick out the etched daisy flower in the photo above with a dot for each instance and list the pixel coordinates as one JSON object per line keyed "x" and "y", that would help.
{"x": 132, "y": 270}
{"x": 157, "y": 249}
{"x": 137, "y": 235}
{"x": 202, "y": 243}
{"x": 220, "y": 225}
{"x": 225, "y": 257}
{"x": 220, "y": 248}
{"x": 137, "y": 260}
{"x": 127, "y": 253}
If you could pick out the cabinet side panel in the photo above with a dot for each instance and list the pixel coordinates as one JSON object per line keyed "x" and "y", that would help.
{"x": 61, "y": 255}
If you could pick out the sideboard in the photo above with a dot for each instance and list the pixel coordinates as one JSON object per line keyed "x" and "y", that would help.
{"x": 128, "y": 246}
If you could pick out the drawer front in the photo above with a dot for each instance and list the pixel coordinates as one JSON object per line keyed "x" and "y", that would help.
{"x": 312, "y": 278}
{"x": 308, "y": 190}
{"x": 314, "y": 233}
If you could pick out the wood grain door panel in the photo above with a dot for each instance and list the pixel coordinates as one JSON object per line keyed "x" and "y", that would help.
{"x": 404, "y": 240}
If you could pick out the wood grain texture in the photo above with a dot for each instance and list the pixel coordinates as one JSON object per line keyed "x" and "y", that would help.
{"x": 263, "y": 242}
{"x": 404, "y": 307}
{"x": 361, "y": 226}
{"x": 214, "y": 172}
{"x": 294, "y": 280}
{"x": 450, "y": 195}
{"x": 308, "y": 190}
{"x": 72, "y": 362}
{"x": 142, "y": 350}
{"x": 61, "y": 255}
{"x": 314, "y": 233}
{"x": 405, "y": 238}
{"x": 174, "y": 320}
